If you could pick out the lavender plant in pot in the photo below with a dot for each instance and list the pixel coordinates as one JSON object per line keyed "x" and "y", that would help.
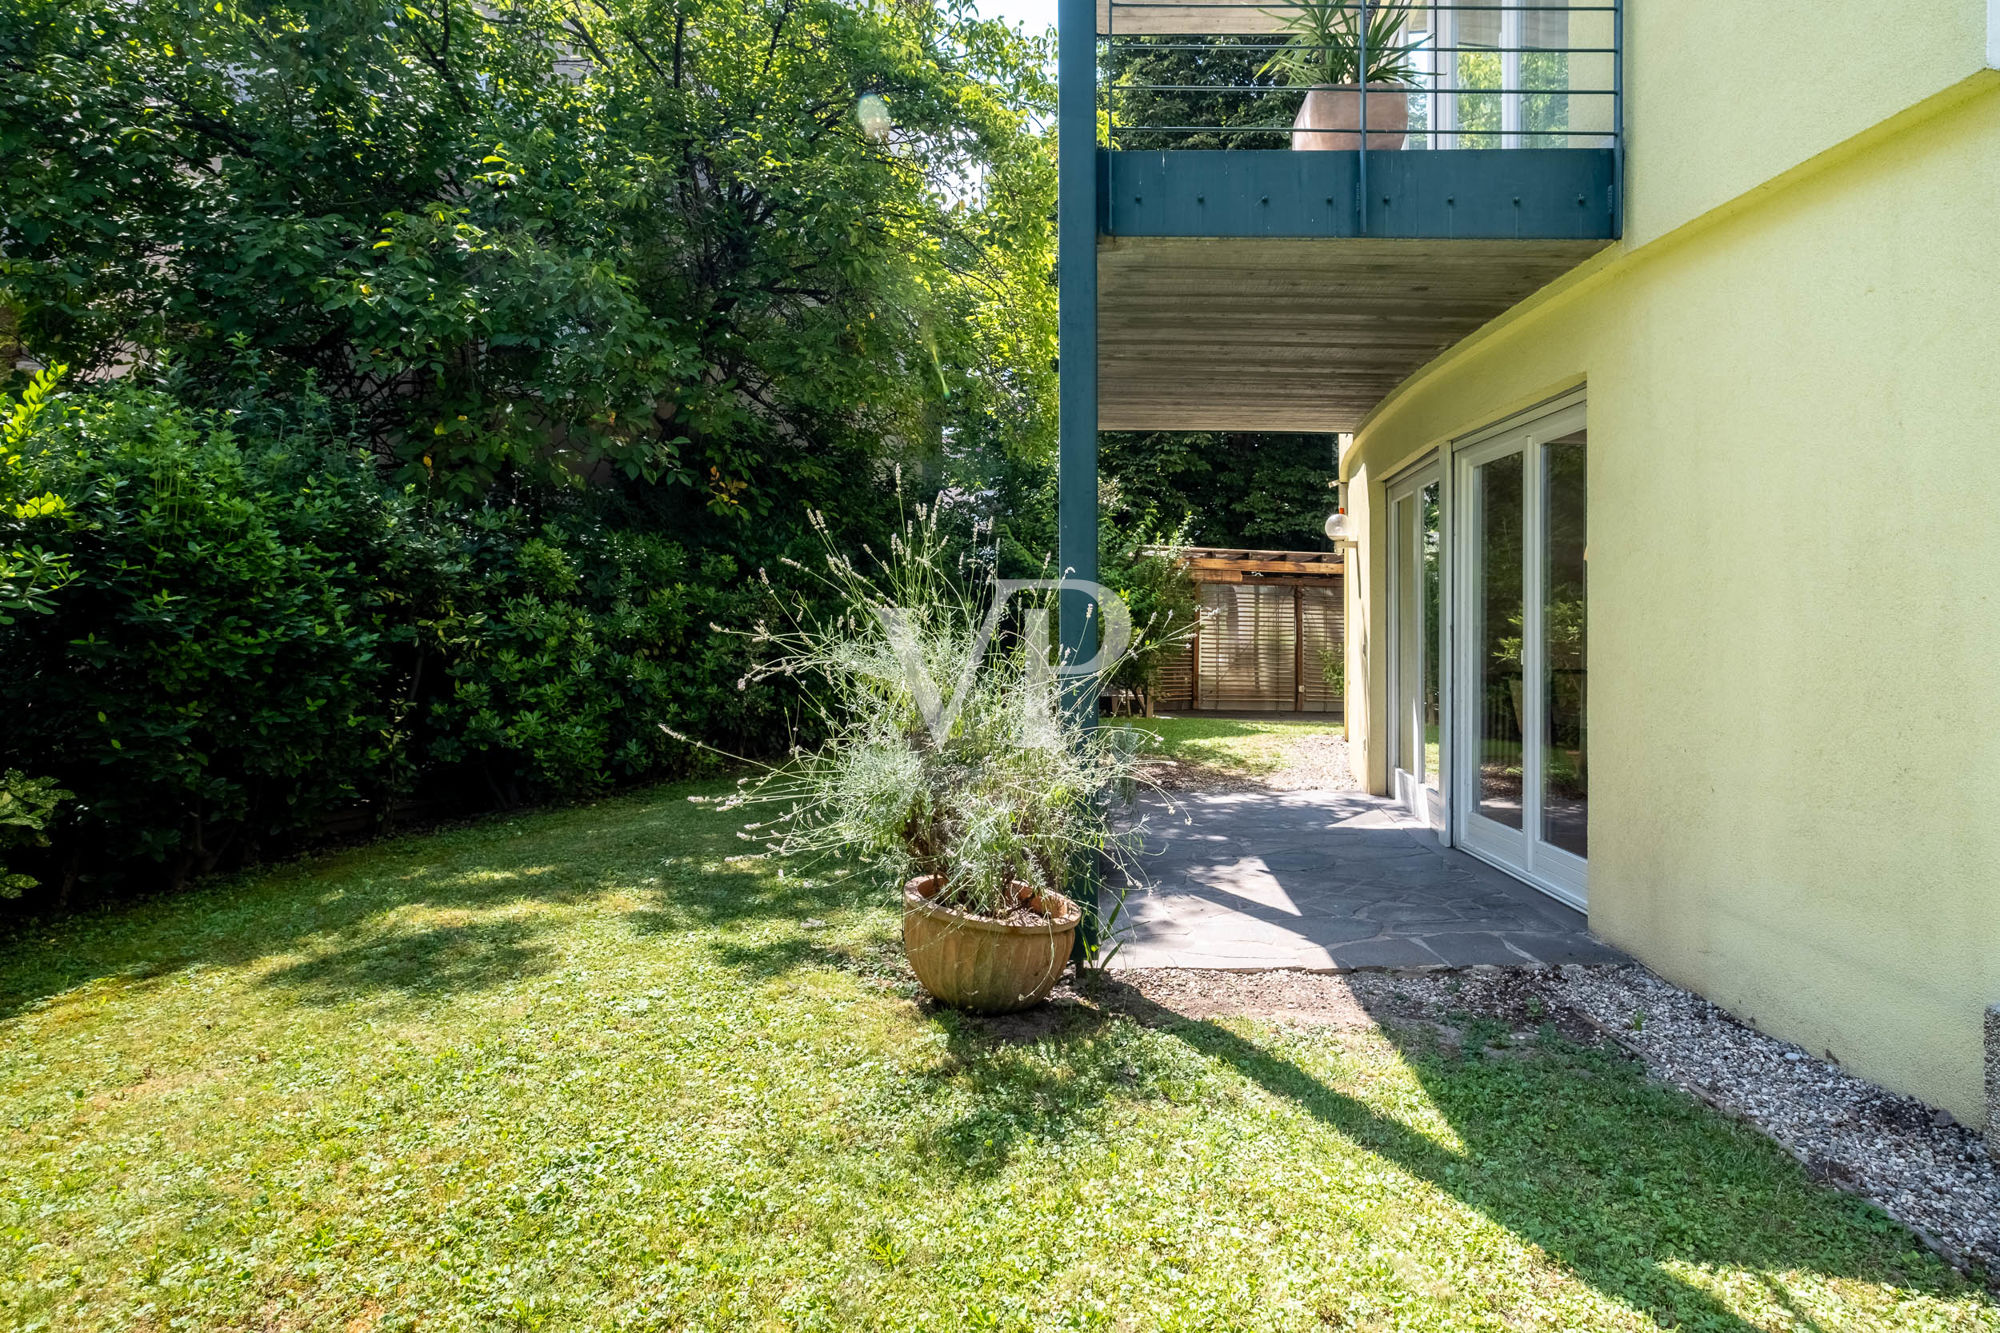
{"x": 1325, "y": 56}
{"x": 946, "y": 766}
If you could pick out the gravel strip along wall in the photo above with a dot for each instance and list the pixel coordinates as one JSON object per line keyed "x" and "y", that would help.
{"x": 1993, "y": 1082}
{"x": 1924, "y": 1169}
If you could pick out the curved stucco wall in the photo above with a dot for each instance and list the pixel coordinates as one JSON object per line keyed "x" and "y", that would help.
{"x": 1794, "y": 413}
{"x": 1723, "y": 96}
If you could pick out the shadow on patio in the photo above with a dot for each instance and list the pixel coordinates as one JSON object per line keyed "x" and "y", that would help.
{"x": 1325, "y": 880}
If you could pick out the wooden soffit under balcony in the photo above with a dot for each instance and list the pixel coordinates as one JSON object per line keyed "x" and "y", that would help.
{"x": 1258, "y": 334}
{"x": 1132, "y": 18}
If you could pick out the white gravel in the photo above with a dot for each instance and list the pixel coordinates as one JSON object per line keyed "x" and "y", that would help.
{"x": 1921, "y": 1167}
{"x": 1317, "y": 762}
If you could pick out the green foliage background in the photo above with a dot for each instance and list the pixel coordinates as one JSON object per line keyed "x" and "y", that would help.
{"x": 260, "y": 635}
{"x": 547, "y": 239}
{"x": 443, "y": 374}
{"x": 1186, "y": 82}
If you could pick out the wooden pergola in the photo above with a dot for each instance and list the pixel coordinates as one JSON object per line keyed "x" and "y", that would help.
{"x": 1217, "y": 564}
{"x": 1313, "y": 579}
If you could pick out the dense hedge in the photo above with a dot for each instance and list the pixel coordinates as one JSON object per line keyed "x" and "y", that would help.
{"x": 258, "y": 636}
{"x": 610, "y": 294}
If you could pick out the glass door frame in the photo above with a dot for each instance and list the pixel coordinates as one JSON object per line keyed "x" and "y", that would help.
{"x": 1523, "y": 852}
{"x": 1429, "y": 804}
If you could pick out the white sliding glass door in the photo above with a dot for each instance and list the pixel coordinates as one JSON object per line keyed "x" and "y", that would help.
{"x": 1520, "y": 788}
{"x": 1416, "y": 642}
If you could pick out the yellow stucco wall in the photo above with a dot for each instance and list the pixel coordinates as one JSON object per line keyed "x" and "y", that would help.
{"x": 1794, "y": 413}
{"x": 1723, "y": 95}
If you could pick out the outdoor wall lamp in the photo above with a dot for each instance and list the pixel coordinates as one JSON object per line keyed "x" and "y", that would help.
{"x": 1339, "y": 530}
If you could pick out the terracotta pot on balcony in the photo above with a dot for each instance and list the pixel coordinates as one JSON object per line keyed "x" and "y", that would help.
{"x": 1330, "y": 119}
{"x": 985, "y": 965}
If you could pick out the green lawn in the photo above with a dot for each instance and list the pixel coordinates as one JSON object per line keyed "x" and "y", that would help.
{"x": 585, "y": 1069}
{"x": 1252, "y": 746}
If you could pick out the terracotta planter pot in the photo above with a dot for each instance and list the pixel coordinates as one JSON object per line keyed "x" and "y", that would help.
{"x": 982, "y": 965}
{"x": 1330, "y": 119}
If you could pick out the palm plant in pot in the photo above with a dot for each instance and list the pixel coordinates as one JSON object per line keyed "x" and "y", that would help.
{"x": 947, "y": 766}
{"x": 1325, "y": 55}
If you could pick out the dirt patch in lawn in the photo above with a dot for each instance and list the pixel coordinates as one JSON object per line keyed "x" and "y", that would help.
{"x": 1312, "y": 761}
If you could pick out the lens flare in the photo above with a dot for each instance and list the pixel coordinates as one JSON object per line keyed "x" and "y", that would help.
{"x": 873, "y": 113}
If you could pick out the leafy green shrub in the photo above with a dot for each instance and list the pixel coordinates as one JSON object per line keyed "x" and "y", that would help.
{"x": 1333, "y": 670}
{"x": 26, "y": 805}
{"x": 210, "y": 667}
{"x": 28, "y": 574}
{"x": 588, "y": 638}
{"x": 257, "y": 634}
{"x": 1164, "y": 602}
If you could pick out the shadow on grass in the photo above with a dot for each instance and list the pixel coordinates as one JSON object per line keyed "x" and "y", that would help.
{"x": 1566, "y": 1147}
{"x": 764, "y": 960}
{"x": 1035, "y": 1077}
{"x": 676, "y": 863}
{"x": 442, "y": 960}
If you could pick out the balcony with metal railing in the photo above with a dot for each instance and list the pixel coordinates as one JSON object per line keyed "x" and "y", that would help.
{"x": 1283, "y": 240}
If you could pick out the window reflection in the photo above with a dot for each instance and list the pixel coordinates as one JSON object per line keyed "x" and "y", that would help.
{"x": 1565, "y": 774}
{"x": 1430, "y": 618}
{"x": 1498, "y": 704}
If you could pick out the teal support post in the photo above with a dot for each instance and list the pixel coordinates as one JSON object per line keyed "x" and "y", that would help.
{"x": 1076, "y": 350}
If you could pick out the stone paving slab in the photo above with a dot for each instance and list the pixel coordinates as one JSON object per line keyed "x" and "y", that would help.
{"x": 1328, "y": 881}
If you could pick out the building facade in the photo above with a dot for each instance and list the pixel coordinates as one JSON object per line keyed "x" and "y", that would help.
{"x": 1676, "y": 578}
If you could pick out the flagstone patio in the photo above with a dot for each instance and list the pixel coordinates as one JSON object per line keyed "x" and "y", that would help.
{"x": 1328, "y": 880}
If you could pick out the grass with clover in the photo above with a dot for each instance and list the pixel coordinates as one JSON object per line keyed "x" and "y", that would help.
{"x": 592, "y": 1068}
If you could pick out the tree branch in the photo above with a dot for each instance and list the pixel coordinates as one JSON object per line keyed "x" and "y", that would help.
{"x": 777, "y": 31}
{"x": 437, "y": 58}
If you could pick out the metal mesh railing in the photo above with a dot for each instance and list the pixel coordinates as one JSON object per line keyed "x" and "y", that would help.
{"x": 1456, "y": 75}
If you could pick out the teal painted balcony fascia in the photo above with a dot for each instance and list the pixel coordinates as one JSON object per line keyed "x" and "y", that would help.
{"x": 1541, "y": 194}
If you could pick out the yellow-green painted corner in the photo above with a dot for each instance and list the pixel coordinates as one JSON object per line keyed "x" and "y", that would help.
{"x": 1794, "y": 414}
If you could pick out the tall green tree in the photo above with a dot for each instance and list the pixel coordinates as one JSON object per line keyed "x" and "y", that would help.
{"x": 550, "y": 240}
{"x": 1189, "y": 92}
{"x": 610, "y": 292}
{"x": 1227, "y": 489}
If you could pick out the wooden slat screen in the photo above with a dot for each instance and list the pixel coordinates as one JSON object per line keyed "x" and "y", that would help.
{"x": 1176, "y": 687}
{"x": 1246, "y": 647}
{"x": 1250, "y": 650}
{"x": 1325, "y": 622}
